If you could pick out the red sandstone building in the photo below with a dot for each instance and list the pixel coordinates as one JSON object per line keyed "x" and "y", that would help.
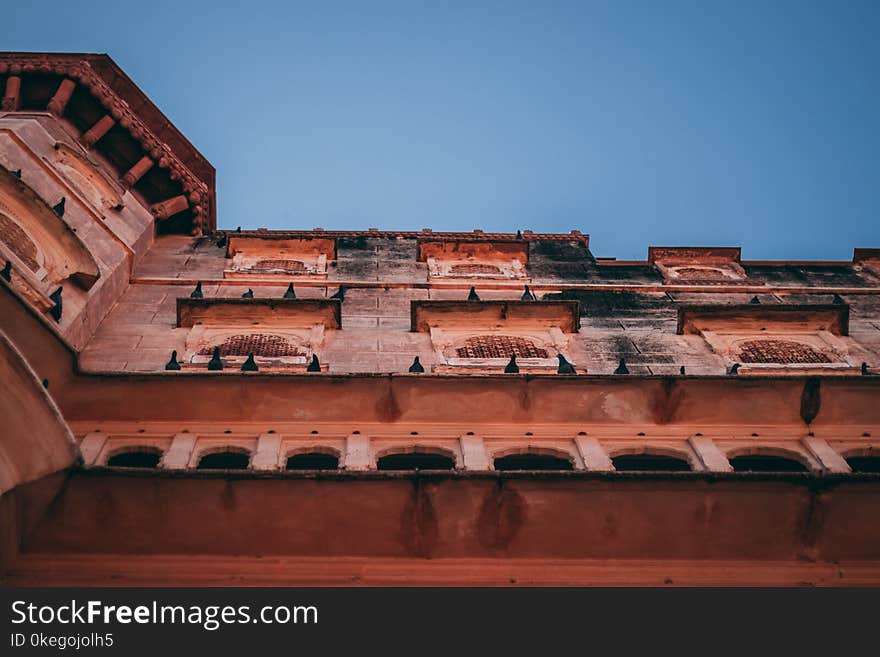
{"x": 185, "y": 405}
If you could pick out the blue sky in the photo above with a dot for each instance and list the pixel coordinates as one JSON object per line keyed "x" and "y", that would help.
{"x": 667, "y": 123}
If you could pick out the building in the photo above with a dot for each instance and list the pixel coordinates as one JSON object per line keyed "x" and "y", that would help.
{"x": 400, "y": 408}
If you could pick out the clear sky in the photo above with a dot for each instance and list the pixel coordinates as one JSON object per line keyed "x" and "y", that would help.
{"x": 667, "y": 123}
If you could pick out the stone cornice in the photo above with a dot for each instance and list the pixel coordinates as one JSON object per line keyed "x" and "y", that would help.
{"x": 475, "y": 235}
{"x": 197, "y": 192}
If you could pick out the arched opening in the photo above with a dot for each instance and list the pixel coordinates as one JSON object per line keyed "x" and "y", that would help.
{"x": 418, "y": 459}
{"x": 312, "y": 461}
{"x": 766, "y": 463}
{"x": 533, "y": 461}
{"x": 499, "y": 346}
{"x": 225, "y": 460}
{"x": 650, "y": 463}
{"x": 869, "y": 463}
{"x": 135, "y": 458}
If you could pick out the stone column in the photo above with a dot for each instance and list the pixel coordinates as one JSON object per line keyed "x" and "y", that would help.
{"x": 711, "y": 458}
{"x": 830, "y": 460}
{"x": 91, "y": 446}
{"x": 593, "y": 454}
{"x": 473, "y": 453}
{"x": 357, "y": 453}
{"x": 268, "y": 448}
{"x": 180, "y": 452}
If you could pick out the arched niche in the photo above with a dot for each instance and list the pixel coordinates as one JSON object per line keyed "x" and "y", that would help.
{"x": 86, "y": 177}
{"x": 762, "y": 458}
{"x": 533, "y": 458}
{"x": 415, "y": 457}
{"x": 45, "y": 238}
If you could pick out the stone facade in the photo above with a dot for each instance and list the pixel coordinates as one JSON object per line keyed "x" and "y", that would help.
{"x": 349, "y": 400}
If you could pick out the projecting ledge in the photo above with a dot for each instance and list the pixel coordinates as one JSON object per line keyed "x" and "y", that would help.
{"x": 533, "y": 314}
{"x": 291, "y": 313}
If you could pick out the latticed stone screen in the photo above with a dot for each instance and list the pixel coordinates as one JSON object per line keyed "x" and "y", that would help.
{"x": 293, "y": 266}
{"x": 699, "y": 274}
{"x": 499, "y": 346}
{"x": 474, "y": 268}
{"x": 258, "y": 344}
{"x": 18, "y": 242}
{"x": 780, "y": 351}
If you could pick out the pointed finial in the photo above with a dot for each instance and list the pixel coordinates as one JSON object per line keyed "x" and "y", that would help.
{"x": 197, "y": 292}
{"x": 248, "y": 295}
{"x": 416, "y": 367}
{"x": 173, "y": 364}
{"x": 755, "y": 300}
{"x": 7, "y": 272}
{"x": 55, "y": 310}
{"x": 527, "y": 295}
{"x": 472, "y": 295}
{"x": 16, "y": 173}
{"x": 681, "y": 370}
{"x": 289, "y": 293}
{"x": 512, "y": 367}
{"x": 215, "y": 363}
{"x": 837, "y": 300}
{"x": 519, "y": 234}
{"x": 238, "y": 230}
{"x": 564, "y": 366}
{"x": 340, "y": 293}
{"x": 734, "y": 369}
{"x": 59, "y": 207}
{"x": 621, "y": 367}
{"x": 250, "y": 365}
{"x": 315, "y": 365}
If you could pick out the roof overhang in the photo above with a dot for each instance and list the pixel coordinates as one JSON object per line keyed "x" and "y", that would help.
{"x": 177, "y": 165}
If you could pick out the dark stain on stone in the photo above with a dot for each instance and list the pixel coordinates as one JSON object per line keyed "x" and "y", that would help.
{"x": 501, "y": 516}
{"x": 106, "y": 507}
{"x": 418, "y": 522}
{"x": 358, "y": 243}
{"x": 387, "y": 407}
{"x": 811, "y": 529}
{"x": 811, "y": 400}
{"x": 667, "y": 401}
{"x": 525, "y": 396}
{"x": 227, "y": 497}
{"x": 610, "y": 525}
{"x": 606, "y": 303}
{"x": 559, "y": 250}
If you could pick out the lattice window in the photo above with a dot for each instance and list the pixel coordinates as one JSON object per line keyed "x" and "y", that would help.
{"x": 783, "y": 352}
{"x": 700, "y": 274}
{"x": 474, "y": 268}
{"x": 277, "y": 264}
{"x": 18, "y": 242}
{"x": 499, "y": 346}
{"x": 258, "y": 344}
